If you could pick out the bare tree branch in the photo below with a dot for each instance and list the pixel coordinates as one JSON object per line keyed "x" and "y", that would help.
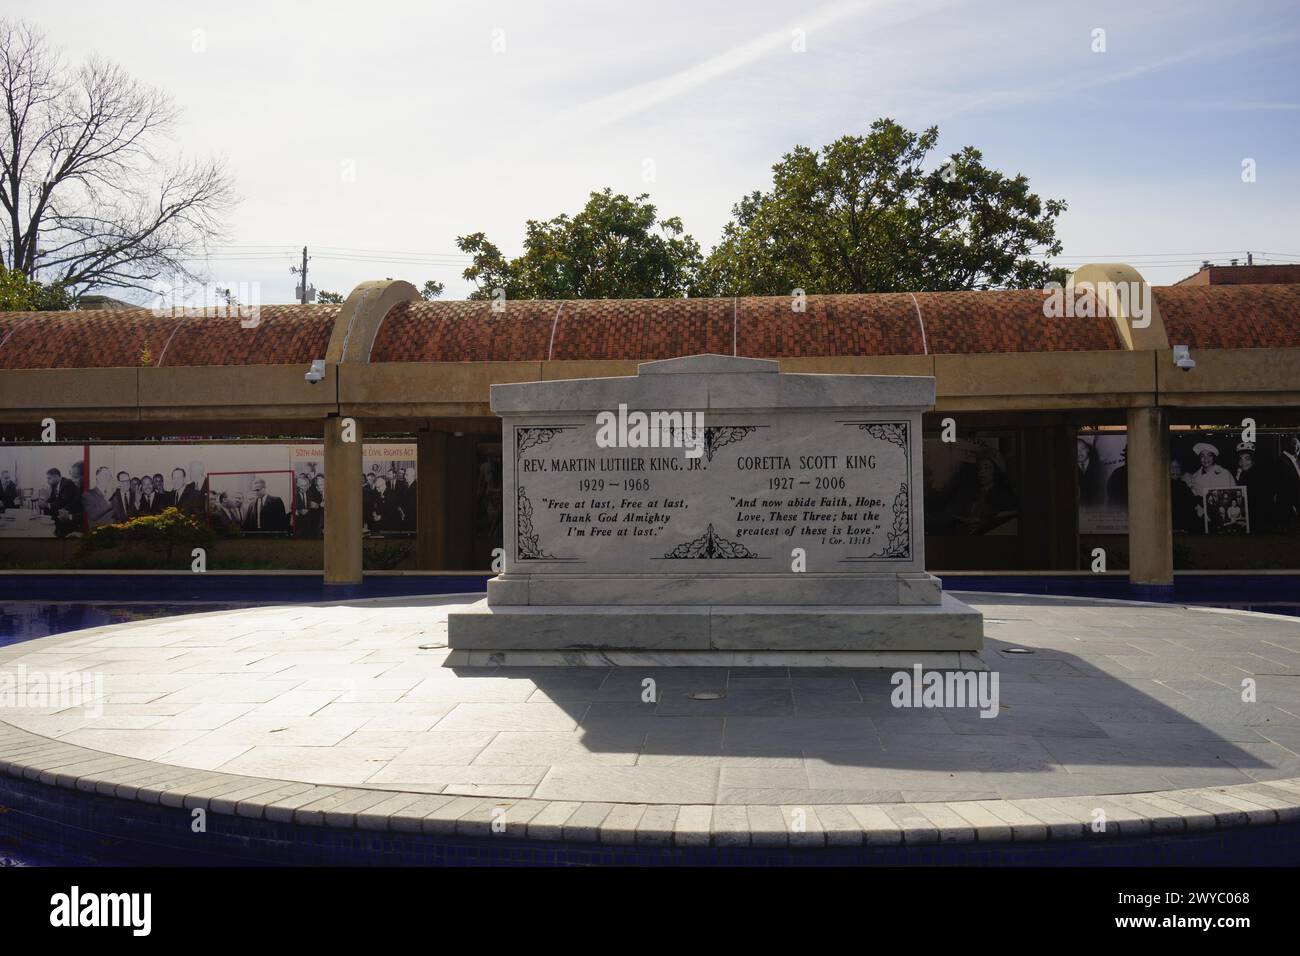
{"x": 88, "y": 200}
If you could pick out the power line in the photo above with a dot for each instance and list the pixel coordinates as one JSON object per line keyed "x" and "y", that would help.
{"x": 256, "y": 251}
{"x": 345, "y": 250}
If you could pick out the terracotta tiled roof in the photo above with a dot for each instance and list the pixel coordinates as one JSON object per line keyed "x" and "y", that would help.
{"x": 832, "y": 325}
{"x": 1011, "y": 321}
{"x": 463, "y": 332}
{"x": 111, "y": 338}
{"x": 827, "y": 325}
{"x": 1231, "y": 316}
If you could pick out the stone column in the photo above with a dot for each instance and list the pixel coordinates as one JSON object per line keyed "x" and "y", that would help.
{"x": 343, "y": 548}
{"x": 431, "y": 500}
{"x": 1150, "y": 524}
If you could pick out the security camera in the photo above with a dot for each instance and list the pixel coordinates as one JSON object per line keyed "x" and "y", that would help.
{"x": 316, "y": 372}
{"x": 1183, "y": 358}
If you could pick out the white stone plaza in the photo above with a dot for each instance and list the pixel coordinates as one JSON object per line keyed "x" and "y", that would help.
{"x": 347, "y": 715}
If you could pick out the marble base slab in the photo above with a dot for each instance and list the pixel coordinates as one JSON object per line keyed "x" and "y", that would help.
{"x": 810, "y": 589}
{"x": 891, "y": 660}
{"x": 949, "y": 626}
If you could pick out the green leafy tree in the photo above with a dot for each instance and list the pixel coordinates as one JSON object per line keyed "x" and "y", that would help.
{"x": 863, "y": 215}
{"x": 21, "y": 294}
{"x": 616, "y": 247}
{"x": 432, "y": 289}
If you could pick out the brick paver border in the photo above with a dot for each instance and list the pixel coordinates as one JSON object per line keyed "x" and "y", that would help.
{"x": 70, "y": 767}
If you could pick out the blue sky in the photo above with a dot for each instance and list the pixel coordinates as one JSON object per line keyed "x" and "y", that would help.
{"x": 458, "y": 117}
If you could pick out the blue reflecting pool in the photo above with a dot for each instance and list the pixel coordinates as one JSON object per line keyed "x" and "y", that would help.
{"x": 25, "y": 620}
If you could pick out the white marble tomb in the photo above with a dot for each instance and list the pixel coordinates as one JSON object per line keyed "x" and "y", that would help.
{"x": 713, "y": 509}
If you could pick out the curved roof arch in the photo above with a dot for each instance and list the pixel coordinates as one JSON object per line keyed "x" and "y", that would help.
{"x": 1220, "y": 317}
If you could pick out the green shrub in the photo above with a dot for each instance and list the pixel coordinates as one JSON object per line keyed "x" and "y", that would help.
{"x": 385, "y": 557}
{"x": 162, "y": 534}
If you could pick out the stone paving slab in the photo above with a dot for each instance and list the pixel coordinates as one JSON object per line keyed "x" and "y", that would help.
{"x": 985, "y": 821}
{"x": 1127, "y": 719}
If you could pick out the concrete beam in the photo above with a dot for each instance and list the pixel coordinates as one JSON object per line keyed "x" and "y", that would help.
{"x": 1038, "y": 376}
{"x": 1230, "y": 376}
{"x": 83, "y": 394}
{"x": 406, "y": 393}
{"x": 212, "y": 392}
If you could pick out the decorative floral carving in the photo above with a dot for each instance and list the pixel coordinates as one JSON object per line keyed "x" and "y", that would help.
{"x": 711, "y": 545}
{"x": 894, "y": 432}
{"x": 526, "y": 438}
{"x": 716, "y": 436}
{"x": 900, "y": 539}
{"x": 528, "y": 546}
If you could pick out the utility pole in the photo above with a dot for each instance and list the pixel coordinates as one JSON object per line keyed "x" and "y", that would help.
{"x": 304, "y": 293}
